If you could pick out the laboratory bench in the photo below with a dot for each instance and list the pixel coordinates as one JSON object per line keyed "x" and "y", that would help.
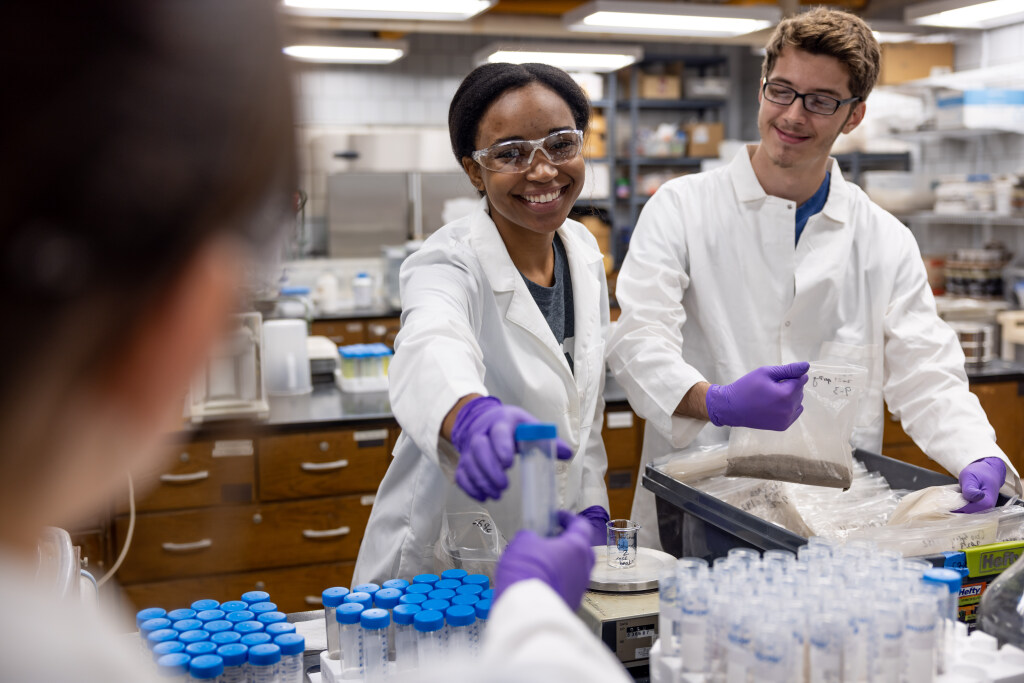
{"x": 281, "y": 504}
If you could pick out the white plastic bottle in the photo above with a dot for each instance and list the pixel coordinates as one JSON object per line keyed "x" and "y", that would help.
{"x": 430, "y": 639}
{"x": 375, "y": 623}
{"x": 263, "y": 663}
{"x": 362, "y": 290}
{"x": 291, "y": 669}
{"x": 461, "y": 643}
{"x": 234, "y": 656}
{"x": 406, "y": 657}
{"x": 350, "y": 639}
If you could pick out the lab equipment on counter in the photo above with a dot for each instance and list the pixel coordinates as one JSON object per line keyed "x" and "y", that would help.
{"x": 202, "y": 647}
{"x": 235, "y": 656}
{"x": 364, "y": 367}
{"x": 374, "y": 623}
{"x": 332, "y": 598}
{"x": 460, "y": 620}
{"x": 483, "y": 612}
{"x": 173, "y": 667}
{"x": 406, "y": 658}
{"x": 430, "y": 639}
{"x": 286, "y": 364}
{"x": 263, "y": 663}
{"x": 350, "y": 639}
{"x": 205, "y": 668}
{"x": 232, "y": 383}
{"x": 622, "y": 538}
{"x": 536, "y": 446}
{"x": 253, "y": 597}
{"x": 362, "y": 290}
{"x": 290, "y": 669}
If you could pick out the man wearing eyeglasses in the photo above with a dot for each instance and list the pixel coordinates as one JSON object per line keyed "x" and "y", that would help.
{"x": 736, "y": 277}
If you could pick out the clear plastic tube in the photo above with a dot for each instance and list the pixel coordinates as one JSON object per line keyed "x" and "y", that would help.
{"x": 406, "y": 656}
{"x": 826, "y": 646}
{"x": 669, "y": 617}
{"x": 920, "y": 620}
{"x": 536, "y": 446}
{"x": 351, "y": 648}
{"x": 374, "y": 624}
{"x": 430, "y": 646}
{"x": 738, "y": 644}
{"x": 887, "y": 644}
{"x": 773, "y": 650}
{"x": 460, "y": 642}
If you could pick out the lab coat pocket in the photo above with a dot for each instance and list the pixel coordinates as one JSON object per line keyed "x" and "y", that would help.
{"x": 868, "y": 423}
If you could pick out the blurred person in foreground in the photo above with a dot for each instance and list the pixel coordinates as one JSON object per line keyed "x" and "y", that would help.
{"x": 148, "y": 159}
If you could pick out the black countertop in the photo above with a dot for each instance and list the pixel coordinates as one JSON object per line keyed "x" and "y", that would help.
{"x": 328, "y": 407}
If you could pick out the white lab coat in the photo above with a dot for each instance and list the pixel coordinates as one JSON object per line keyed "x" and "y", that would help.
{"x": 532, "y": 635}
{"x": 470, "y": 325}
{"x": 712, "y": 288}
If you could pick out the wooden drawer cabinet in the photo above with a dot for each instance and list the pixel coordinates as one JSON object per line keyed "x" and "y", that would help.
{"x": 383, "y": 330}
{"x": 623, "y": 441}
{"x": 341, "y": 332}
{"x": 322, "y": 463}
{"x": 295, "y": 589}
{"x": 201, "y": 473}
{"x": 184, "y": 543}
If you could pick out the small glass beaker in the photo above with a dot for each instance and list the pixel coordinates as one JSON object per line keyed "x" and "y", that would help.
{"x": 622, "y": 535}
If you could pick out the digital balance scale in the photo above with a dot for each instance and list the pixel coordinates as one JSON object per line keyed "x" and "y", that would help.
{"x": 621, "y": 605}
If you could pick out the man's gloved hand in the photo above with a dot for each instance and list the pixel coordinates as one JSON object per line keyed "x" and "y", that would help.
{"x": 484, "y": 434}
{"x": 980, "y": 482}
{"x": 767, "y": 398}
{"x": 598, "y": 518}
{"x": 562, "y": 562}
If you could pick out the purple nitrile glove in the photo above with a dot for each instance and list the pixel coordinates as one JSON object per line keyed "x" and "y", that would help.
{"x": 485, "y": 436}
{"x": 562, "y": 562}
{"x": 980, "y": 482}
{"x": 767, "y": 398}
{"x": 598, "y": 518}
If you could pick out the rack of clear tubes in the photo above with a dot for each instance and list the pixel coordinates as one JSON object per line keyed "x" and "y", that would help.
{"x": 375, "y": 631}
{"x": 835, "y": 613}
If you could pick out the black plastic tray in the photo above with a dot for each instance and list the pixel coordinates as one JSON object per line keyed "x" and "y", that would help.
{"x": 693, "y": 524}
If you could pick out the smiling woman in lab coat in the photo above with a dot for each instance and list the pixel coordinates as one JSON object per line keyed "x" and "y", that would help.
{"x": 504, "y": 316}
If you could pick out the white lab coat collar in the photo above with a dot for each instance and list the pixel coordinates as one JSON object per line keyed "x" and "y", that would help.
{"x": 748, "y": 188}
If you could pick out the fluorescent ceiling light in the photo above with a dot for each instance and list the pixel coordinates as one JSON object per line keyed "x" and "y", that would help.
{"x": 568, "y": 57}
{"x": 365, "y": 52}
{"x": 975, "y": 14}
{"x": 435, "y": 10}
{"x": 670, "y": 19}
{"x": 893, "y": 37}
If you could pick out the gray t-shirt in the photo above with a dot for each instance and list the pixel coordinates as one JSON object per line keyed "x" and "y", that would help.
{"x": 555, "y": 302}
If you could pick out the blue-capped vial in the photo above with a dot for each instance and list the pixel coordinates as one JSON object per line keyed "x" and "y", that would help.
{"x": 259, "y": 608}
{"x": 387, "y": 598}
{"x": 225, "y": 637}
{"x": 234, "y": 606}
{"x": 429, "y": 579}
{"x": 218, "y": 626}
{"x": 202, "y": 647}
{"x": 161, "y": 636}
{"x": 280, "y": 628}
{"x": 331, "y": 598}
{"x": 364, "y": 599}
{"x": 375, "y": 624}
{"x": 254, "y": 639}
{"x": 173, "y": 667}
{"x": 235, "y": 656}
{"x": 150, "y": 625}
{"x": 430, "y": 638}
{"x": 419, "y": 588}
{"x": 292, "y": 645}
{"x": 350, "y": 639}
{"x": 469, "y": 589}
{"x": 271, "y": 617}
{"x": 193, "y": 636}
{"x": 460, "y": 619}
{"x": 245, "y": 627}
{"x": 186, "y": 625}
{"x": 263, "y": 661}
{"x": 181, "y": 613}
{"x": 481, "y": 580}
{"x": 441, "y": 594}
{"x": 487, "y": 594}
{"x": 240, "y": 616}
{"x": 168, "y": 647}
{"x": 412, "y": 599}
{"x": 205, "y": 604}
{"x": 255, "y": 596}
{"x": 535, "y": 444}
{"x": 465, "y": 599}
{"x": 370, "y": 588}
{"x": 206, "y": 667}
{"x": 454, "y": 574}
{"x": 149, "y": 613}
{"x": 398, "y": 584}
{"x": 210, "y": 615}
{"x": 436, "y": 605}
{"x": 405, "y": 636}
{"x": 447, "y": 584}
{"x": 483, "y": 611}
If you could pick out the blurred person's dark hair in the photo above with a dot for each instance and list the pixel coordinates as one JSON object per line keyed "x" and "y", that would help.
{"x": 132, "y": 132}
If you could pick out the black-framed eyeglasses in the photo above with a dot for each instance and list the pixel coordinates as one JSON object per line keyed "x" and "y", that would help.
{"x": 813, "y": 102}
{"x": 516, "y": 156}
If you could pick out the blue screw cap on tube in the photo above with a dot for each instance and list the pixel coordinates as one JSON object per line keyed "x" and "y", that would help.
{"x": 234, "y": 606}
{"x": 291, "y": 643}
{"x": 168, "y": 647}
{"x": 254, "y": 639}
{"x": 245, "y": 627}
{"x": 186, "y": 625}
{"x": 488, "y": 594}
{"x": 436, "y": 605}
{"x": 404, "y": 614}
{"x": 279, "y": 629}
{"x": 255, "y": 596}
{"x": 400, "y": 584}
{"x": 149, "y": 613}
{"x": 271, "y": 617}
{"x": 181, "y": 613}
{"x": 206, "y": 667}
{"x": 264, "y": 655}
{"x": 428, "y": 620}
{"x": 349, "y": 613}
{"x": 194, "y": 636}
{"x": 441, "y": 594}
{"x": 426, "y": 578}
{"x": 387, "y": 598}
{"x": 210, "y": 615}
{"x": 332, "y": 597}
{"x": 161, "y": 636}
{"x": 226, "y": 637}
{"x": 370, "y": 588}
{"x": 173, "y": 665}
{"x": 364, "y": 599}
{"x": 240, "y": 616}
{"x": 469, "y": 589}
{"x": 419, "y": 588}
{"x": 156, "y": 624}
{"x": 947, "y": 577}
{"x": 203, "y": 647}
{"x": 218, "y": 626}
{"x": 374, "y": 619}
{"x": 456, "y": 574}
{"x": 477, "y": 580}
{"x": 234, "y": 654}
{"x": 465, "y": 600}
{"x": 205, "y": 604}
{"x": 483, "y": 609}
{"x": 448, "y": 584}
{"x": 460, "y": 615}
{"x": 412, "y": 599}
{"x": 536, "y": 432}
{"x": 259, "y": 608}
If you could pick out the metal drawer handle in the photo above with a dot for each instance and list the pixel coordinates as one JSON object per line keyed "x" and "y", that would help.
{"x": 323, "y": 466}
{"x": 187, "y": 547}
{"x": 326, "y": 533}
{"x": 314, "y": 600}
{"x": 185, "y": 478}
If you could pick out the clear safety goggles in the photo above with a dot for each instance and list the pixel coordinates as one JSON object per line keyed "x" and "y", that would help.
{"x": 516, "y": 156}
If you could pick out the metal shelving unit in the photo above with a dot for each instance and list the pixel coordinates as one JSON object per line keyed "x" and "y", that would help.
{"x": 854, "y": 164}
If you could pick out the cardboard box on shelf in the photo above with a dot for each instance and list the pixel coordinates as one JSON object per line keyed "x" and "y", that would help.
{"x": 595, "y": 143}
{"x": 591, "y": 83}
{"x": 708, "y": 87}
{"x": 902, "y": 62}
{"x": 662, "y": 81}
{"x": 704, "y": 139}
